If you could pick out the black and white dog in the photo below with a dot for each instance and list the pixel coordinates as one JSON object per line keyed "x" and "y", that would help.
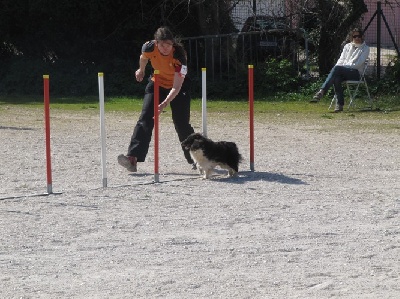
{"x": 208, "y": 154}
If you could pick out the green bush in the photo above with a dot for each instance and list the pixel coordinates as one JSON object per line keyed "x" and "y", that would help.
{"x": 276, "y": 76}
{"x": 390, "y": 83}
{"x": 22, "y": 76}
{"x": 271, "y": 77}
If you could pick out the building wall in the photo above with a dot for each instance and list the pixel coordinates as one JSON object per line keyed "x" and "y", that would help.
{"x": 391, "y": 11}
{"x": 244, "y": 9}
{"x": 390, "y": 8}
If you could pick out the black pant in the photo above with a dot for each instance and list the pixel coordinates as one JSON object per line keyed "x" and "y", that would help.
{"x": 180, "y": 106}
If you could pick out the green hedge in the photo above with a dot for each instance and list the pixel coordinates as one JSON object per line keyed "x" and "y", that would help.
{"x": 22, "y": 76}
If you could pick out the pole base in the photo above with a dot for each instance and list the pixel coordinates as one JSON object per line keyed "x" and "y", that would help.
{"x": 156, "y": 178}
{"x": 252, "y": 166}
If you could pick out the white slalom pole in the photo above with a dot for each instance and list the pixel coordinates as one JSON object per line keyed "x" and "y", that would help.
{"x": 102, "y": 129}
{"x": 204, "y": 100}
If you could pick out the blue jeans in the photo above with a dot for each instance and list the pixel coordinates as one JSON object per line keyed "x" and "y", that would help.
{"x": 337, "y": 75}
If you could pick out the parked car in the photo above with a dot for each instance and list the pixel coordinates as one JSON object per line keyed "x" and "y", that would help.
{"x": 266, "y": 36}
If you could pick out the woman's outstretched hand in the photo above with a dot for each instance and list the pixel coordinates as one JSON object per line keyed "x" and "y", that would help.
{"x": 139, "y": 75}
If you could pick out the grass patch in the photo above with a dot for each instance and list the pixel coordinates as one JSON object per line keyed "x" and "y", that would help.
{"x": 291, "y": 106}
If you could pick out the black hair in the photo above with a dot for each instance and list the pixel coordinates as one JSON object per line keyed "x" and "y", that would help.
{"x": 360, "y": 31}
{"x": 164, "y": 33}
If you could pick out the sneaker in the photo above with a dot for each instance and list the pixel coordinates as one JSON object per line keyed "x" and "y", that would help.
{"x": 338, "y": 108}
{"x": 317, "y": 97}
{"x": 129, "y": 162}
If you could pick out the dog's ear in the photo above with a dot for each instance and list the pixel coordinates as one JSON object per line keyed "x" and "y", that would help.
{"x": 198, "y": 136}
{"x": 196, "y": 144}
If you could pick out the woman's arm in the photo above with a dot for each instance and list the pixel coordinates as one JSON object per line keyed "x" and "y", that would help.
{"x": 176, "y": 88}
{"x": 358, "y": 63}
{"x": 343, "y": 56}
{"x": 142, "y": 66}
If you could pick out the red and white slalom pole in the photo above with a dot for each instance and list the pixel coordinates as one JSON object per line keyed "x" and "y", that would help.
{"x": 156, "y": 124}
{"x": 46, "y": 93}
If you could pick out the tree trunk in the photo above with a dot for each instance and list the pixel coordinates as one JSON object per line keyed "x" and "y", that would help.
{"x": 336, "y": 21}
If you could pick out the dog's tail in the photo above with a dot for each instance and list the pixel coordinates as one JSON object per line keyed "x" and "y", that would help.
{"x": 235, "y": 158}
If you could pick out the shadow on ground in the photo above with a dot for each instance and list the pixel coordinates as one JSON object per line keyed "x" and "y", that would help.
{"x": 251, "y": 176}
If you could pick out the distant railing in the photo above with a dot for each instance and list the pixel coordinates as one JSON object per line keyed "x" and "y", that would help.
{"x": 228, "y": 55}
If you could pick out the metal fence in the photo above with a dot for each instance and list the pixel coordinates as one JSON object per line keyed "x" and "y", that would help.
{"x": 382, "y": 34}
{"x": 227, "y": 56}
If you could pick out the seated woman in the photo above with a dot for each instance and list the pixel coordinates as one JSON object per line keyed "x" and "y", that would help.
{"x": 348, "y": 67}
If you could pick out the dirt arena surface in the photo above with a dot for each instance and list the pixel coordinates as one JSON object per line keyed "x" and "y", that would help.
{"x": 318, "y": 218}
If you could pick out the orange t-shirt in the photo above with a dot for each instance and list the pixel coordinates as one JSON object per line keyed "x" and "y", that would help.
{"x": 166, "y": 65}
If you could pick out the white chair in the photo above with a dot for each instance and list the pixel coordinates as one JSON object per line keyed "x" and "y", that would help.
{"x": 353, "y": 91}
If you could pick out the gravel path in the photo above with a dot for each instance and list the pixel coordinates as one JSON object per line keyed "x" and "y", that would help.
{"x": 319, "y": 217}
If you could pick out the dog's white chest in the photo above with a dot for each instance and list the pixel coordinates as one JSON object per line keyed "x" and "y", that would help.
{"x": 205, "y": 163}
{"x": 198, "y": 156}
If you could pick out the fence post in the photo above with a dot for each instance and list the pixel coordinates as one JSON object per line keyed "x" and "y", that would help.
{"x": 378, "y": 39}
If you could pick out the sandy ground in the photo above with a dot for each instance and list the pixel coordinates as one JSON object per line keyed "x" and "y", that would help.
{"x": 318, "y": 218}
